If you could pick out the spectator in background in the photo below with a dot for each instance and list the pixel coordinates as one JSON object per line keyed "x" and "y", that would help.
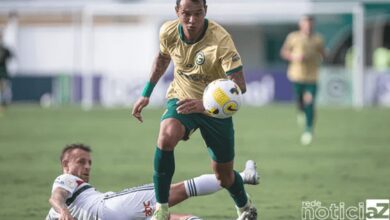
{"x": 5, "y": 54}
{"x": 304, "y": 49}
{"x": 381, "y": 59}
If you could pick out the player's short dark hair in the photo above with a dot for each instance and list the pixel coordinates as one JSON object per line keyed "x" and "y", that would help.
{"x": 308, "y": 17}
{"x": 69, "y": 148}
{"x": 178, "y": 2}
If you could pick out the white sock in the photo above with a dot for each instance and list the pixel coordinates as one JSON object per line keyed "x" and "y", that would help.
{"x": 202, "y": 185}
{"x": 242, "y": 175}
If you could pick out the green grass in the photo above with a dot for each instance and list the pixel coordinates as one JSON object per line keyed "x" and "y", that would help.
{"x": 348, "y": 162}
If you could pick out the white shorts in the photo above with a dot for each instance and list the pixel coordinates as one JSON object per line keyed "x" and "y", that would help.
{"x": 136, "y": 203}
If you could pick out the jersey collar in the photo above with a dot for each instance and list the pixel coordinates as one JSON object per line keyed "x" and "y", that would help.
{"x": 181, "y": 33}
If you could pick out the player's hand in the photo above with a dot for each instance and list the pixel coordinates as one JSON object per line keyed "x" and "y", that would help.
{"x": 189, "y": 106}
{"x": 65, "y": 215}
{"x": 299, "y": 58}
{"x": 138, "y": 106}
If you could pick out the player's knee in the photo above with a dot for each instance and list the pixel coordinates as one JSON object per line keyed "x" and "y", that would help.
{"x": 308, "y": 98}
{"x": 171, "y": 132}
{"x": 167, "y": 142}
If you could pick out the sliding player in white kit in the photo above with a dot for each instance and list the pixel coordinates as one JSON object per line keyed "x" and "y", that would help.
{"x": 74, "y": 198}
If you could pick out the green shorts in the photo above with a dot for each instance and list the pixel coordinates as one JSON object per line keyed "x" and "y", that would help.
{"x": 218, "y": 134}
{"x": 301, "y": 88}
{"x": 3, "y": 73}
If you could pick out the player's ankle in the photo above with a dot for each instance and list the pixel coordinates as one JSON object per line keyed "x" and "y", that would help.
{"x": 162, "y": 205}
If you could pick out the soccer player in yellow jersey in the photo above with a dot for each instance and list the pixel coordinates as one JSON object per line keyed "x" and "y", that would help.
{"x": 201, "y": 51}
{"x": 304, "y": 49}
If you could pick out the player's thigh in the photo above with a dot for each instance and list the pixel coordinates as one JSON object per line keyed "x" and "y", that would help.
{"x": 171, "y": 132}
{"x": 186, "y": 120}
{"x": 298, "y": 90}
{"x": 134, "y": 203}
{"x": 310, "y": 92}
{"x": 311, "y": 88}
{"x": 218, "y": 135}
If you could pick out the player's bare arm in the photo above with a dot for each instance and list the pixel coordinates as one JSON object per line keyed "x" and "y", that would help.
{"x": 58, "y": 202}
{"x": 285, "y": 53}
{"x": 159, "y": 67}
{"x": 239, "y": 79}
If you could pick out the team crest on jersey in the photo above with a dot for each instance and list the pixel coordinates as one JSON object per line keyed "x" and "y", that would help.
{"x": 199, "y": 58}
{"x": 70, "y": 183}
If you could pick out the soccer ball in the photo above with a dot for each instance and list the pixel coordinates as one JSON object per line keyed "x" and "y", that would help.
{"x": 222, "y": 98}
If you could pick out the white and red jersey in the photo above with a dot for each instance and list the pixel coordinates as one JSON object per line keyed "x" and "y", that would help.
{"x": 83, "y": 200}
{"x": 86, "y": 203}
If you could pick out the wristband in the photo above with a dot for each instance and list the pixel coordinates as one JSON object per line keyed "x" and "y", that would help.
{"x": 148, "y": 89}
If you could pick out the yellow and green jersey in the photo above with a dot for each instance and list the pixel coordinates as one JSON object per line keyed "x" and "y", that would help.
{"x": 197, "y": 64}
{"x": 310, "y": 48}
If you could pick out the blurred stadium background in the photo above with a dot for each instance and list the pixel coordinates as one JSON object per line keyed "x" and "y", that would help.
{"x": 96, "y": 55}
{"x": 100, "y": 52}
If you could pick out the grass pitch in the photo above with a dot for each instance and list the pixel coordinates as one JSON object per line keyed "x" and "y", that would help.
{"x": 348, "y": 161}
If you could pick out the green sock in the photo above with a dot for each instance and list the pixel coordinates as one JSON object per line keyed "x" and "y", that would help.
{"x": 309, "y": 113}
{"x": 237, "y": 191}
{"x": 164, "y": 167}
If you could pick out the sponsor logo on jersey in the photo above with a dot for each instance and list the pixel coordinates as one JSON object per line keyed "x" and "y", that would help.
{"x": 148, "y": 211}
{"x": 197, "y": 77}
{"x": 236, "y": 57}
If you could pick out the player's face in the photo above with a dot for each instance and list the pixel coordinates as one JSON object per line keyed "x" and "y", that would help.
{"x": 191, "y": 15}
{"x": 79, "y": 164}
{"x": 306, "y": 25}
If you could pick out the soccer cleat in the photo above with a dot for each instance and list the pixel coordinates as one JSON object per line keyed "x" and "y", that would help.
{"x": 248, "y": 212}
{"x": 306, "y": 138}
{"x": 161, "y": 212}
{"x": 250, "y": 175}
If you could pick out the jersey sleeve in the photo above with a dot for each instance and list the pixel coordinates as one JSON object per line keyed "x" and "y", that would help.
{"x": 288, "y": 42}
{"x": 229, "y": 56}
{"x": 164, "y": 40}
{"x": 67, "y": 182}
